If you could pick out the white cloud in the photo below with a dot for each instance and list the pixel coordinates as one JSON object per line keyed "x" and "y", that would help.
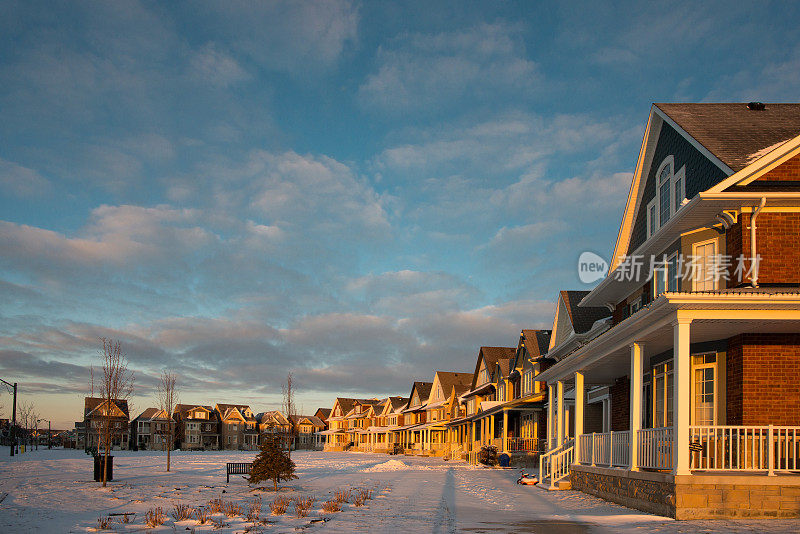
{"x": 419, "y": 71}
{"x": 22, "y": 181}
{"x": 213, "y": 65}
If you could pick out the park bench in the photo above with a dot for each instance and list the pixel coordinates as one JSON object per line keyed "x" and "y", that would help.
{"x": 238, "y": 468}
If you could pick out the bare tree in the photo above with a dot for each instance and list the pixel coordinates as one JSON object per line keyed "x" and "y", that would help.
{"x": 116, "y": 384}
{"x": 289, "y": 407}
{"x": 167, "y": 399}
{"x": 27, "y": 418}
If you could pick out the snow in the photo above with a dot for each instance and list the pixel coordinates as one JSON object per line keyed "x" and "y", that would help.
{"x": 52, "y": 491}
{"x": 764, "y": 151}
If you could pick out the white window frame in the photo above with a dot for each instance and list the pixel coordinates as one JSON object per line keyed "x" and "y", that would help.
{"x": 714, "y": 281}
{"x": 663, "y": 371}
{"x": 714, "y": 366}
{"x": 677, "y": 194}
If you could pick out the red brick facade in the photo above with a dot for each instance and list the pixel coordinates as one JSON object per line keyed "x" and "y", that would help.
{"x": 777, "y": 242}
{"x": 786, "y": 172}
{"x": 620, "y": 394}
{"x": 763, "y": 379}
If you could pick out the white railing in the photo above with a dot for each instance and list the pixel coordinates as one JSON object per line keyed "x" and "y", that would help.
{"x": 655, "y": 448}
{"x": 605, "y": 448}
{"x": 547, "y": 465}
{"x": 525, "y": 444}
{"x": 745, "y": 448}
{"x": 586, "y": 450}
{"x": 620, "y": 448}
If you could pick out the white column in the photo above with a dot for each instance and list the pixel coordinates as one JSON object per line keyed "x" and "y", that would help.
{"x": 551, "y": 402}
{"x": 637, "y": 354}
{"x": 580, "y": 403}
{"x": 680, "y": 397}
{"x": 560, "y": 415}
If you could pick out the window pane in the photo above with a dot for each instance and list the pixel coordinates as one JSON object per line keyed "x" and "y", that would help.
{"x": 664, "y": 200}
{"x": 678, "y": 193}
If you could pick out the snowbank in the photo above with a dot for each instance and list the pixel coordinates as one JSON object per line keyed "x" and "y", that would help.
{"x": 391, "y": 465}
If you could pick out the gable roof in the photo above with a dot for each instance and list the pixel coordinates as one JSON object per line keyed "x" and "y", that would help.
{"x": 150, "y": 413}
{"x": 732, "y": 132}
{"x": 452, "y": 379}
{"x": 503, "y": 366}
{"x": 226, "y": 410}
{"x": 582, "y": 317}
{"x": 322, "y": 413}
{"x": 298, "y": 419}
{"x": 272, "y": 416}
{"x": 398, "y": 402}
{"x": 536, "y": 342}
{"x": 91, "y": 404}
{"x": 183, "y": 409}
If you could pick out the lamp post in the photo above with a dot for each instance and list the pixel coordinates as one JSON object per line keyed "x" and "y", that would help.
{"x": 12, "y": 430}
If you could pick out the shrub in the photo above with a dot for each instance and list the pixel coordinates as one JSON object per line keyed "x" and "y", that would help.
{"x": 103, "y": 522}
{"x": 341, "y": 496}
{"x": 302, "y": 505}
{"x": 154, "y": 517}
{"x": 232, "y": 510}
{"x": 366, "y": 494}
{"x": 279, "y": 505}
{"x": 331, "y": 506}
{"x": 182, "y": 512}
{"x": 216, "y": 505}
{"x": 202, "y": 514}
{"x": 254, "y": 509}
{"x": 358, "y": 499}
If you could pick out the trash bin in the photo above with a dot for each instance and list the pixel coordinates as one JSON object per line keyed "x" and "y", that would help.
{"x": 504, "y": 459}
{"x": 99, "y": 459}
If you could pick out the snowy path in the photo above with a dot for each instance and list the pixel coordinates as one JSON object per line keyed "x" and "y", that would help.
{"x": 52, "y": 491}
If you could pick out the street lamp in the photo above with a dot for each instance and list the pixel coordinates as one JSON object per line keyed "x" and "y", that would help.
{"x": 12, "y": 430}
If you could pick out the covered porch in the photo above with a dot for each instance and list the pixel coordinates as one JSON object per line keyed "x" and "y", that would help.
{"x": 682, "y": 370}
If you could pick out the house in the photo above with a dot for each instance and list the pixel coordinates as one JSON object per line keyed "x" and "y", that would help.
{"x": 479, "y": 428}
{"x": 322, "y": 414}
{"x": 358, "y": 419}
{"x": 197, "y": 426}
{"x": 414, "y": 417}
{"x": 441, "y": 408}
{"x": 99, "y": 415}
{"x": 150, "y": 430}
{"x": 701, "y": 356}
{"x": 307, "y": 427}
{"x": 385, "y": 423}
{"x": 239, "y": 427}
{"x": 337, "y": 437}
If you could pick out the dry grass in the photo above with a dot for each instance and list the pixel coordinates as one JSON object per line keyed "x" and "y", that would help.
{"x": 216, "y": 505}
{"x": 202, "y": 514}
{"x": 254, "y": 509}
{"x": 126, "y": 518}
{"x": 341, "y": 496}
{"x": 302, "y": 505}
{"x": 154, "y": 517}
{"x": 279, "y": 505}
{"x": 232, "y": 510}
{"x": 362, "y": 496}
{"x": 331, "y": 506}
{"x": 182, "y": 512}
{"x": 103, "y": 523}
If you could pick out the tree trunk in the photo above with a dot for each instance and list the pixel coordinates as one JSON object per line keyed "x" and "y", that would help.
{"x": 105, "y": 460}
{"x": 169, "y": 444}
{"x": 275, "y": 482}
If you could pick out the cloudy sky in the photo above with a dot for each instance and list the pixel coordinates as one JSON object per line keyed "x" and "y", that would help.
{"x": 358, "y": 192}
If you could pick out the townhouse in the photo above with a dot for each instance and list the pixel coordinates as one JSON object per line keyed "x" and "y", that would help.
{"x": 150, "y": 430}
{"x": 699, "y": 362}
{"x": 97, "y": 413}
{"x": 307, "y": 427}
{"x": 239, "y": 427}
{"x": 197, "y": 427}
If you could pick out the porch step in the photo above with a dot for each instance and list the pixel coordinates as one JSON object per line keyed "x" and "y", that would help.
{"x": 561, "y": 485}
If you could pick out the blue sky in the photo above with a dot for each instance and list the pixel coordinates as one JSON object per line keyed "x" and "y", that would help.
{"x": 359, "y": 192}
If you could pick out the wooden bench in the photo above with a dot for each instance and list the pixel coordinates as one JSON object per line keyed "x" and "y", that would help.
{"x": 237, "y": 468}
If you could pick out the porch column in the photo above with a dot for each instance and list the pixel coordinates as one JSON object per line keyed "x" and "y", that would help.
{"x": 580, "y": 401}
{"x": 491, "y": 430}
{"x": 505, "y": 430}
{"x": 560, "y": 415}
{"x": 637, "y": 353}
{"x": 472, "y": 442}
{"x": 551, "y": 401}
{"x": 680, "y": 396}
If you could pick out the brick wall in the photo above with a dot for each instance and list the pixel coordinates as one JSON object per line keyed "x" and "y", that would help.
{"x": 593, "y": 418}
{"x": 763, "y": 379}
{"x": 777, "y": 242}
{"x": 786, "y": 172}
{"x": 620, "y": 394}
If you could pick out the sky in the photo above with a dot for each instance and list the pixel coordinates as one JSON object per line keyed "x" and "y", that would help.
{"x": 360, "y": 193}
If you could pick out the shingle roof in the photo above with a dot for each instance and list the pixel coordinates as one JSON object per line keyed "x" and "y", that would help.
{"x": 323, "y": 413}
{"x": 451, "y": 379}
{"x": 536, "y": 342}
{"x": 312, "y": 419}
{"x": 183, "y": 409}
{"x": 734, "y": 133}
{"x": 225, "y": 409}
{"x": 504, "y": 364}
{"x": 90, "y": 404}
{"x": 582, "y": 318}
{"x": 398, "y": 402}
{"x": 149, "y": 413}
{"x": 424, "y": 390}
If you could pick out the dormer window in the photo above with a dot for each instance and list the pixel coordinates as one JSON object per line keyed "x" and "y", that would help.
{"x": 670, "y": 193}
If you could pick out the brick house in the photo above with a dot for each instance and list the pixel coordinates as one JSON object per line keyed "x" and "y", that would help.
{"x": 307, "y": 427}
{"x": 239, "y": 427}
{"x": 196, "y": 427}
{"x": 150, "y": 430}
{"x": 700, "y": 362}
{"x": 99, "y": 412}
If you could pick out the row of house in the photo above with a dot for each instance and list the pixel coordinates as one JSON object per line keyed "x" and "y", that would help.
{"x": 194, "y": 427}
{"x": 672, "y": 386}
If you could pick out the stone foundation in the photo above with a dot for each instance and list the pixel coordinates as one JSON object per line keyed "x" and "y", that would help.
{"x": 700, "y": 496}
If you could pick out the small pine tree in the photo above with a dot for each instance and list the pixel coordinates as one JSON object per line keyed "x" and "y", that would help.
{"x": 272, "y": 463}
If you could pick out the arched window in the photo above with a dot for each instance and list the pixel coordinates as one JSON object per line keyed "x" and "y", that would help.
{"x": 670, "y": 192}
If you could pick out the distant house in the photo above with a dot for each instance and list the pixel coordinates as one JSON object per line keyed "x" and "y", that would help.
{"x": 240, "y": 428}
{"x": 414, "y": 417}
{"x": 150, "y": 430}
{"x": 97, "y": 413}
{"x": 307, "y": 427}
{"x": 337, "y": 437}
{"x": 322, "y": 414}
{"x": 197, "y": 427}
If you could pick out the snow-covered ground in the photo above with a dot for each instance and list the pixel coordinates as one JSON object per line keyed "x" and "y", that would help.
{"x": 52, "y": 491}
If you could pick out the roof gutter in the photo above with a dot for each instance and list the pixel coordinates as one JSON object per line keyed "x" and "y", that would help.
{"x": 753, "y": 258}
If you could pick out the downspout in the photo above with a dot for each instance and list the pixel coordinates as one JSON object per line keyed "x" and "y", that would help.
{"x": 754, "y": 268}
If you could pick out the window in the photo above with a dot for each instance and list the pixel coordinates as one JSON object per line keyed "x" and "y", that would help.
{"x": 669, "y": 195}
{"x": 483, "y": 376}
{"x": 704, "y": 273}
{"x": 662, "y": 395}
{"x": 704, "y": 374}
